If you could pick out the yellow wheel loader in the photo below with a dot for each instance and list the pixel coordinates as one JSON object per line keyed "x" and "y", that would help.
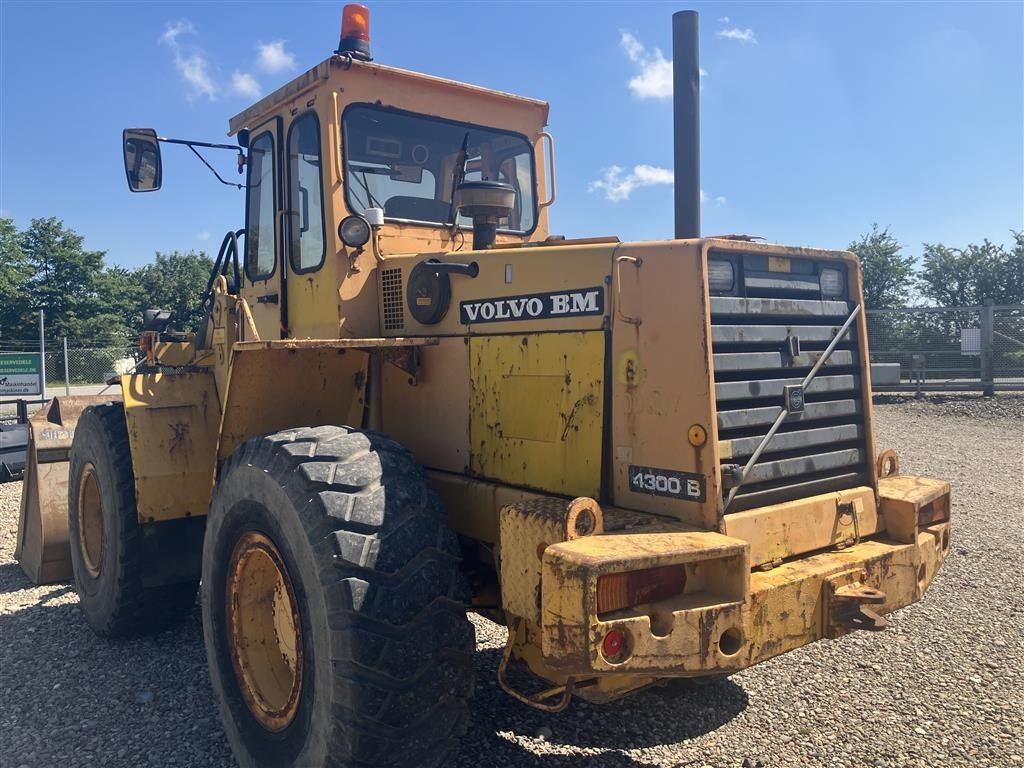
{"x": 410, "y": 400}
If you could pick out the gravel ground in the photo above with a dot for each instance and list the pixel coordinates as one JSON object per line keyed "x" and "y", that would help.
{"x": 944, "y": 686}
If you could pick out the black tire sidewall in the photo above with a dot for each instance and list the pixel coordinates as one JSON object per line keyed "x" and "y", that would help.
{"x": 98, "y": 595}
{"x": 253, "y": 493}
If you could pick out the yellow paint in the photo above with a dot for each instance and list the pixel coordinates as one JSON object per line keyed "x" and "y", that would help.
{"x": 173, "y": 423}
{"x": 537, "y": 404}
{"x": 280, "y": 387}
{"x": 778, "y": 264}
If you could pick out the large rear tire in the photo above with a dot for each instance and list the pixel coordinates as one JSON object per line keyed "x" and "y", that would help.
{"x": 108, "y": 557}
{"x": 334, "y": 606}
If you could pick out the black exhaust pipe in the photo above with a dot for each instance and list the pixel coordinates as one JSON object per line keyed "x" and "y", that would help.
{"x": 686, "y": 118}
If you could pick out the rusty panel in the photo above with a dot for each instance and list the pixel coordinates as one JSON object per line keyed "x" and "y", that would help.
{"x": 795, "y": 527}
{"x": 901, "y": 497}
{"x": 662, "y": 376}
{"x": 537, "y": 405}
{"x": 172, "y": 433}
{"x": 426, "y": 408}
{"x": 676, "y": 635}
{"x": 277, "y": 386}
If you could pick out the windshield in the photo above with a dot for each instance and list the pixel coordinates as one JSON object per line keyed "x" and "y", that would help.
{"x": 405, "y": 163}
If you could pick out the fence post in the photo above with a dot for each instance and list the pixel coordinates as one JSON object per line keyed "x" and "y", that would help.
{"x": 67, "y": 378}
{"x": 987, "y": 348}
{"x": 42, "y": 357}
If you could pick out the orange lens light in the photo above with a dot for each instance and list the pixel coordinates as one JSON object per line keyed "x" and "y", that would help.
{"x": 355, "y": 23}
{"x": 616, "y": 591}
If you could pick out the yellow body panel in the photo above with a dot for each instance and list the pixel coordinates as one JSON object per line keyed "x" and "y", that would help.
{"x": 277, "y": 388}
{"x": 537, "y": 405}
{"x": 173, "y": 425}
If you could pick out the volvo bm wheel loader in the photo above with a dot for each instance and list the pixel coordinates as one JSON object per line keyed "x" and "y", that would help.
{"x": 410, "y": 401}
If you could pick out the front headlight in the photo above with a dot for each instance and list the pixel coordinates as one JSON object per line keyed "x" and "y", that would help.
{"x": 833, "y": 282}
{"x": 720, "y": 275}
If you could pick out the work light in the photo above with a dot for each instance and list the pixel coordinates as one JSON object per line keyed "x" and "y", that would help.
{"x": 720, "y": 275}
{"x": 833, "y": 282}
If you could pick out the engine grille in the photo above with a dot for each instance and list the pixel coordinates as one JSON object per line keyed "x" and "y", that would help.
{"x": 391, "y": 297}
{"x": 825, "y": 448}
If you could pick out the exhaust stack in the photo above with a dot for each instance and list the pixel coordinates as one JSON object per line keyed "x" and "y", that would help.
{"x": 686, "y": 120}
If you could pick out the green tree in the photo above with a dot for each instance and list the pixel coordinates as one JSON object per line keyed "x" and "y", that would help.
{"x": 14, "y": 276}
{"x": 967, "y": 276}
{"x": 175, "y": 281}
{"x": 887, "y": 274}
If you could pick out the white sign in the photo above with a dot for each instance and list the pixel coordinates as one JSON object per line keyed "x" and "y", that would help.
{"x": 19, "y": 373}
{"x": 970, "y": 341}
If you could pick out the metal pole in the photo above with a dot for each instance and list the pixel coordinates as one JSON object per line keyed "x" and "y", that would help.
{"x": 686, "y": 122}
{"x": 67, "y": 378}
{"x": 987, "y": 348}
{"x": 42, "y": 357}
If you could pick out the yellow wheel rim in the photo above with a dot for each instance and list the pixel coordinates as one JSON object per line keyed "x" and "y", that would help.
{"x": 90, "y": 521}
{"x": 265, "y": 631}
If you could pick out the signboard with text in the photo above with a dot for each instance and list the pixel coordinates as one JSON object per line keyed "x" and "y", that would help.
{"x": 19, "y": 373}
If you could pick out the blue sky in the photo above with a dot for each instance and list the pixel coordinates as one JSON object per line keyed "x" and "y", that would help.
{"x": 817, "y": 119}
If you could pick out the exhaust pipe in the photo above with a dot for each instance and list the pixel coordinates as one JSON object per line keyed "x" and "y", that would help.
{"x": 686, "y": 119}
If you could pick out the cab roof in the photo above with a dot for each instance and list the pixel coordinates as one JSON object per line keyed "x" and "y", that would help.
{"x": 322, "y": 71}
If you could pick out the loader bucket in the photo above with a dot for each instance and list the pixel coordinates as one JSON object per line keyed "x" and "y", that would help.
{"x": 42, "y": 548}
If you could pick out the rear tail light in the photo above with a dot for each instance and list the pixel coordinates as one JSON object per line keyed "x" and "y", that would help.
{"x": 616, "y": 591}
{"x": 936, "y": 511}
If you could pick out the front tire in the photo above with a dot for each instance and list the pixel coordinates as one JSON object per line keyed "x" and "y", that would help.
{"x": 333, "y": 605}
{"x": 108, "y": 556}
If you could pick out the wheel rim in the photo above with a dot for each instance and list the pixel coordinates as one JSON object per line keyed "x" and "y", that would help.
{"x": 90, "y": 521}
{"x": 265, "y": 631}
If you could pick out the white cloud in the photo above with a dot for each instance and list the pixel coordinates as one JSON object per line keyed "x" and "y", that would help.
{"x": 718, "y": 200}
{"x": 175, "y": 30}
{"x": 741, "y": 35}
{"x": 190, "y": 62}
{"x": 617, "y": 185}
{"x": 655, "y": 78}
{"x": 245, "y": 84}
{"x": 274, "y": 58}
{"x": 724, "y": 20}
{"x": 204, "y": 235}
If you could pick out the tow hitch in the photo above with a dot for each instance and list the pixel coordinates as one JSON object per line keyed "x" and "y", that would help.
{"x": 848, "y": 608}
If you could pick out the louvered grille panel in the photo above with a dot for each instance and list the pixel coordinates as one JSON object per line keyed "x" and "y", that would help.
{"x": 391, "y": 294}
{"x": 825, "y": 448}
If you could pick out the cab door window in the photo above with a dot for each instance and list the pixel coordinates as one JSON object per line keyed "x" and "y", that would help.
{"x": 260, "y": 236}
{"x": 307, "y": 238}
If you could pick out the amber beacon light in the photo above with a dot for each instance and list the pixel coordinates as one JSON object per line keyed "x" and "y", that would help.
{"x": 355, "y": 32}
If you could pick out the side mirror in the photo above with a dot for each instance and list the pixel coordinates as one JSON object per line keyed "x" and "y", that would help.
{"x": 142, "y": 164}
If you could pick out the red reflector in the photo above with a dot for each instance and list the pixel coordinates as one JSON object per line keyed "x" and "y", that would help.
{"x": 612, "y": 645}
{"x": 616, "y": 591}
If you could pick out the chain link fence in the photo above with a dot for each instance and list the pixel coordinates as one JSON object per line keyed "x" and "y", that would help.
{"x": 84, "y": 370}
{"x": 947, "y": 348}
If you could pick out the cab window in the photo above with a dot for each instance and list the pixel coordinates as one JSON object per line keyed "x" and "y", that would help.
{"x": 405, "y": 163}
{"x": 305, "y": 199}
{"x": 260, "y": 207}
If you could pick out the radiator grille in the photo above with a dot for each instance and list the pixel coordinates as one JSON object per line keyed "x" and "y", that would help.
{"x": 825, "y": 448}
{"x": 391, "y": 294}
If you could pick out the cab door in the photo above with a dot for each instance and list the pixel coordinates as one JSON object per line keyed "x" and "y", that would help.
{"x": 263, "y": 279}
{"x": 312, "y": 282}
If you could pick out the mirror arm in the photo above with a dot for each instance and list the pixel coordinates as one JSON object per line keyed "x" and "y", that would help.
{"x": 193, "y": 144}
{"x": 214, "y": 172}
